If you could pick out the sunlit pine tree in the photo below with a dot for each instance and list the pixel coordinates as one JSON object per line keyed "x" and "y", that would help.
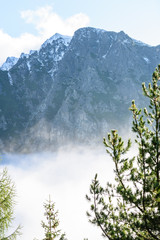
{"x": 129, "y": 209}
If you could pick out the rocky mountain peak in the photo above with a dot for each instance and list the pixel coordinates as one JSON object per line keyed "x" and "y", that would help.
{"x": 123, "y": 37}
{"x": 88, "y": 32}
{"x": 65, "y": 39}
{"x": 73, "y": 90}
{"x": 9, "y": 63}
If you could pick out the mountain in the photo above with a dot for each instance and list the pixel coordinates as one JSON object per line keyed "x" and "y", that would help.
{"x": 10, "y": 62}
{"x": 73, "y": 90}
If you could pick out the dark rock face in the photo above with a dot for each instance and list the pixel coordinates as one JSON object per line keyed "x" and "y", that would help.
{"x": 73, "y": 90}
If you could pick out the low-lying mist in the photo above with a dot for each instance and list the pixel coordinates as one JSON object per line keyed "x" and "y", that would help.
{"x": 65, "y": 176}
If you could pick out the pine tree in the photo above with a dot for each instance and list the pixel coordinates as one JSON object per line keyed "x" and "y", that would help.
{"x": 129, "y": 209}
{"x": 7, "y": 194}
{"x": 50, "y": 227}
{"x": 51, "y": 224}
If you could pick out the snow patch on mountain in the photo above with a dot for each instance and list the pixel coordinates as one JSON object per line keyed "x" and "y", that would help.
{"x": 59, "y": 57}
{"x": 66, "y": 39}
{"x": 29, "y": 65}
{"x": 10, "y": 78}
{"x": 146, "y": 59}
{"x": 9, "y": 63}
{"x": 126, "y": 41}
{"x": 105, "y": 55}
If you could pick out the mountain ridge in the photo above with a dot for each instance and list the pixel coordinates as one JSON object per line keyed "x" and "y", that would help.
{"x": 58, "y": 35}
{"x": 73, "y": 90}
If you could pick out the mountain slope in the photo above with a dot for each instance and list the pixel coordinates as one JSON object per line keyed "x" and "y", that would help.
{"x": 73, "y": 90}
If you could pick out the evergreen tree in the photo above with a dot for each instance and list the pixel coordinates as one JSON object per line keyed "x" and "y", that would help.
{"x": 7, "y": 194}
{"x": 52, "y": 223}
{"x": 129, "y": 209}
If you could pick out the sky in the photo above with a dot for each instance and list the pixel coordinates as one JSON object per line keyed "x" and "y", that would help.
{"x": 25, "y": 25}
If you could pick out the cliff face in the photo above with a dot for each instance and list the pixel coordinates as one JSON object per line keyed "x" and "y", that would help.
{"x": 73, "y": 90}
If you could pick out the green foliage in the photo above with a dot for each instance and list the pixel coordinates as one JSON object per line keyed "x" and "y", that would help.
{"x": 130, "y": 208}
{"x": 7, "y": 194}
{"x": 50, "y": 227}
{"x": 52, "y": 222}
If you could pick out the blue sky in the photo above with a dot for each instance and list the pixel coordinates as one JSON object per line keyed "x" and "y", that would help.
{"x": 25, "y": 25}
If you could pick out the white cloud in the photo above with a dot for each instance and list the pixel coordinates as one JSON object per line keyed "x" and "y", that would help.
{"x": 47, "y": 23}
{"x": 66, "y": 176}
{"x": 10, "y": 46}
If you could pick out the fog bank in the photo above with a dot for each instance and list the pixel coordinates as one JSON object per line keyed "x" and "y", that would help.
{"x": 66, "y": 176}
